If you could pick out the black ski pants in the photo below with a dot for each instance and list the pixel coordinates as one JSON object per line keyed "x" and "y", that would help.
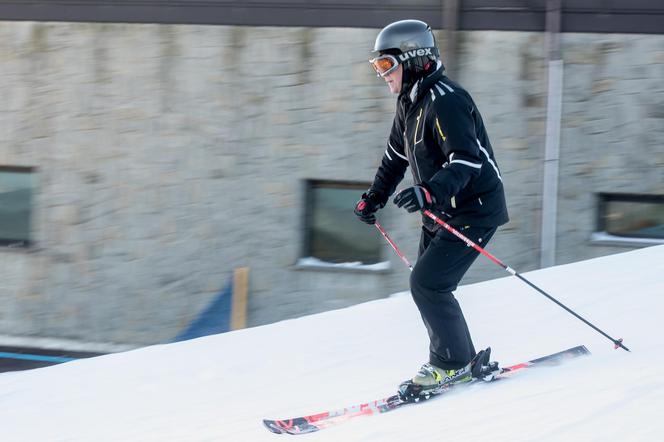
{"x": 442, "y": 262}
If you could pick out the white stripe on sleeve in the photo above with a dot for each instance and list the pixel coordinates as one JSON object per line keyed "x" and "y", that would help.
{"x": 446, "y": 86}
{"x": 486, "y": 154}
{"x": 403, "y": 157}
{"x": 466, "y": 163}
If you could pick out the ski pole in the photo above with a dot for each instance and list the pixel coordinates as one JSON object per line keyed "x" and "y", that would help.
{"x": 617, "y": 342}
{"x": 394, "y": 246}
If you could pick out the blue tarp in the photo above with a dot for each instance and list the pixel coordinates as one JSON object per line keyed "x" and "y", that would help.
{"x": 216, "y": 318}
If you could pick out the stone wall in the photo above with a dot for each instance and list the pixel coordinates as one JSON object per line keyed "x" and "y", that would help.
{"x": 168, "y": 155}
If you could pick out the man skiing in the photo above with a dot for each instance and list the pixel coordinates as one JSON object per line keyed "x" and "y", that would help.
{"x": 439, "y": 133}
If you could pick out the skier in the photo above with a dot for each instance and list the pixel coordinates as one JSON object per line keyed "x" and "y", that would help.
{"x": 439, "y": 133}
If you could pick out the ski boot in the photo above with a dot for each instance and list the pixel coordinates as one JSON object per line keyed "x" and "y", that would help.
{"x": 432, "y": 380}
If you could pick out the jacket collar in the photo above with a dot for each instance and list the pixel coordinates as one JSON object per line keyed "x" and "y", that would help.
{"x": 424, "y": 84}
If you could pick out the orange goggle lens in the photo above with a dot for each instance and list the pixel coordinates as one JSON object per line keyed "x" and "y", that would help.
{"x": 383, "y": 65}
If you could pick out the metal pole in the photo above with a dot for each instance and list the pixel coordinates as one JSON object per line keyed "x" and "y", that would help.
{"x": 394, "y": 246}
{"x": 450, "y": 25}
{"x": 552, "y": 142}
{"x": 616, "y": 342}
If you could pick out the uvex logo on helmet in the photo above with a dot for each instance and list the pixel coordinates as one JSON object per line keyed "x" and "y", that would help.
{"x": 414, "y": 53}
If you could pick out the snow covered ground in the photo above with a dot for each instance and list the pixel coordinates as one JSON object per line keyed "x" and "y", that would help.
{"x": 219, "y": 388}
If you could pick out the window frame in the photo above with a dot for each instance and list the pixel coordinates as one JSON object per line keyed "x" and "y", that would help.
{"x": 601, "y": 235}
{"x": 7, "y": 243}
{"x": 309, "y": 185}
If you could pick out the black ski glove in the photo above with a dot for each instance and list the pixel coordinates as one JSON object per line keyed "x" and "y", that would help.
{"x": 366, "y": 208}
{"x": 415, "y": 198}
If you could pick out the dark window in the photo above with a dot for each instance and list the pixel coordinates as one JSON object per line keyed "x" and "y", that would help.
{"x": 632, "y": 216}
{"x": 16, "y": 190}
{"x": 332, "y": 232}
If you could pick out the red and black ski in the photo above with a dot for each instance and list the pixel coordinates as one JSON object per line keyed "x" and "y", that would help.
{"x": 319, "y": 421}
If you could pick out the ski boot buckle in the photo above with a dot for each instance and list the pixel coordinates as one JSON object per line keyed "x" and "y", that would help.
{"x": 413, "y": 393}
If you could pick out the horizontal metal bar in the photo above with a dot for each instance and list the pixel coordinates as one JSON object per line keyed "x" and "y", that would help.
{"x": 638, "y": 16}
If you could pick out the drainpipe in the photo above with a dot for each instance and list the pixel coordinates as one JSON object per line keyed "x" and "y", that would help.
{"x": 552, "y": 142}
{"x": 451, "y": 26}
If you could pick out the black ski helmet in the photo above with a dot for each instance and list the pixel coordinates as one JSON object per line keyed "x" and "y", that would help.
{"x": 412, "y": 42}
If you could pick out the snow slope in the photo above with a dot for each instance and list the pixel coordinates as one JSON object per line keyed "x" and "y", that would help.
{"x": 219, "y": 388}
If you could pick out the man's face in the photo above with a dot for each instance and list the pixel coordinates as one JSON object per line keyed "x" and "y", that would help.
{"x": 393, "y": 80}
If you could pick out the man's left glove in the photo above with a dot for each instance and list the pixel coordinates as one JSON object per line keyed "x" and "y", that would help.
{"x": 415, "y": 198}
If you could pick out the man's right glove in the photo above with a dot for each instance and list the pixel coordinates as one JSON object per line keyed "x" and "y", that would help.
{"x": 417, "y": 197}
{"x": 366, "y": 208}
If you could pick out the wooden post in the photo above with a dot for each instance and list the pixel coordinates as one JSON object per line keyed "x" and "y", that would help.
{"x": 239, "y": 298}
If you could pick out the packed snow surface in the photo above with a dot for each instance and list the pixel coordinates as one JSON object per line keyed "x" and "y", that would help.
{"x": 219, "y": 388}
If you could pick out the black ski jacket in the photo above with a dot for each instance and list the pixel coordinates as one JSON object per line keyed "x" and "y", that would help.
{"x": 439, "y": 132}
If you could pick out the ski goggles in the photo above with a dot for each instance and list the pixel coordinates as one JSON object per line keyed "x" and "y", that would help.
{"x": 384, "y": 64}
